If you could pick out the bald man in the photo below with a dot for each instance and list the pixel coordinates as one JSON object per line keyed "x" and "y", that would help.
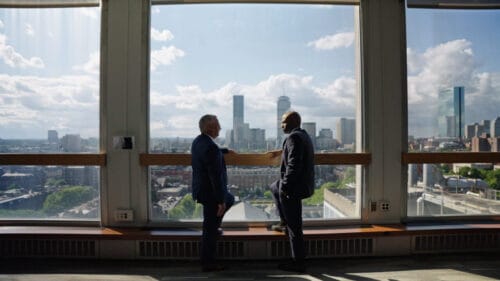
{"x": 296, "y": 183}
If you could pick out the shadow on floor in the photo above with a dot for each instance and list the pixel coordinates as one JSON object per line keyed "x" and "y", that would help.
{"x": 460, "y": 267}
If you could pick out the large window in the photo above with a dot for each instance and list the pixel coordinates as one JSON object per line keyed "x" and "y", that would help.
{"x": 453, "y": 110}
{"x": 49, "y": 104}
{"x": 248, "y": 64}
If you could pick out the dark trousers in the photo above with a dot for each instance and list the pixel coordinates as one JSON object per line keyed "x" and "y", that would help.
{"x": 290, "y": 212}
{"x": 211, "y": 223}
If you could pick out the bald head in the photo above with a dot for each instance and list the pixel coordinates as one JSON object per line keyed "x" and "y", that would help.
{"x": 289, "y": 121}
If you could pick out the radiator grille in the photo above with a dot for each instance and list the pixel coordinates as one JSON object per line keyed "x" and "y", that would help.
{"x": 456, "y": 242}
{"x": 326, "y": 248}
{"x": 188, "y": 249}
{"x": 48, "y": 248}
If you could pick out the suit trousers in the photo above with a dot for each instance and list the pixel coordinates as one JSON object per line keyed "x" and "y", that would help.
{"x": 290, "y": 212}
{"x": 211, "y": 223}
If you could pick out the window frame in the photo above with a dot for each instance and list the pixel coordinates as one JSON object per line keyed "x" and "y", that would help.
{"x": 358, "y": 159}
{"x": 446, "y": 157}
{"x": 59, "y": 159}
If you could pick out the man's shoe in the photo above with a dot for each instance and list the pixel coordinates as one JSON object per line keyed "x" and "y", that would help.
{"x": 212, "y": 268}
{"x": 293, "y": 266}
{"x": 280, "y": 227}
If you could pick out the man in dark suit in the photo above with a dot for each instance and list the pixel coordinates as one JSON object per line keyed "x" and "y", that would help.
{"x": 296, "y": 183}
{"x": 210, "y": 187}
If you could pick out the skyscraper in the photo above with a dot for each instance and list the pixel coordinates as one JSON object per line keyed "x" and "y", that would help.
{"x": 310, "y": 128}
{"x": 52, "y": 136}
{"x": 346, "y": 133}
{"x": 238, "y": 120}
{"x": 283, "y": 106}
{"x": 459, "y": 111}
{"x": 495, "y": 128}
{"x": 451, "y": 112}
{"x": 71, "y": 143}
{"x": 486, "y": 127}
{"x": 451, "y": 126}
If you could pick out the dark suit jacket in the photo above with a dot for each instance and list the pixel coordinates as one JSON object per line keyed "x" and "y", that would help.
{"x": 297, "y": 165}
{"x": 209, "y": 171}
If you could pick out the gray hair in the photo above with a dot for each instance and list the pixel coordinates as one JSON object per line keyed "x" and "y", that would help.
{"x": 205, "y": 121}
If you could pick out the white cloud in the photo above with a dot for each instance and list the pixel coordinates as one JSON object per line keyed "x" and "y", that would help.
{"x": 28, "y": 28}
{"x": 155, "y": 10}
{"x": 176, "y": 114}
{"x": 331, "y": 42}
{"x": 14, "y": 59}
{"x": 30, "y": 105}
{"x": 92, "y": 65}
{"x": 442, "y": 67}
{"x": 164, "y": 35}
{"x": 165, "y": 56}
{"x": 340, "y": 95}
{"x": 1, "y": 24}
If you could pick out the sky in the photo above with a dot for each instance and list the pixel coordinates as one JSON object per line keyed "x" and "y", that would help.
{"x": 213, "y": 52}
{"x": 447, "y": 48}
{"x": 202, "y": 55}
{"x": 49, "y": 72}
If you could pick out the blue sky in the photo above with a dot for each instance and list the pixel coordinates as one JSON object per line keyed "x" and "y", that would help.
{"x": 449, "y": 48}
{"x": 49, "y": 68}
{"x": 259, "y": 51}
{"x": 201, "y": 55}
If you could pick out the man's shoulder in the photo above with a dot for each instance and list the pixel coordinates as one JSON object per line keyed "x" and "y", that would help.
{"x": 204, "y": 142}
{"x": 201, "y": 139}
{"x": 299, "y": 136}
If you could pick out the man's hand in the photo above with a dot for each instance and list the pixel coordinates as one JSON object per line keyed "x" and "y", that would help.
{"x": 274, "y": 153}
{"x": 221, "y": 208}
{"x": 274, "y": 156}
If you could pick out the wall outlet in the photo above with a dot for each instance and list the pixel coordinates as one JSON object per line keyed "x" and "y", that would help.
{"x": 385, "y": 206}
{"x": 124, "y": 215}
{"x": 373, "y": 206}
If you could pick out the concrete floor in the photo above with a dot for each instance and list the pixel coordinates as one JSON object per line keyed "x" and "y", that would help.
{"x": 460, "y": 267}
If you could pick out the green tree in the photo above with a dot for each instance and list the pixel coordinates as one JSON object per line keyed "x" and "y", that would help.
{"x": 349, "y": 176}
{"x": 464, "y": 172}
{"x": 67, "y": 198}
{"x": 55, "y": 182}
{"x": 445, "y": 169}
{"x": 468, "y": 172}
{"x": 185, "y": 209}
{"x": 475, "y": 173}
{"x": 317, "y": 197}
{"x": 268, "y": 194}
{"x": 493, "y": 179}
